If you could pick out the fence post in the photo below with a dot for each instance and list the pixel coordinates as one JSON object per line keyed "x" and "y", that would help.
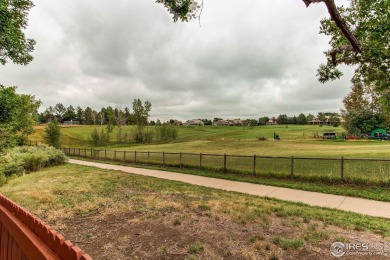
{"x": 148, "y": 157}
{"x": 98, "y": 154}
{"x": 200, "y": 160}
{"x": 181, "y": 158}
{"x": 224, "y": 163}
{"x": 342, "y": 167}
{"x": 292, "y": 166}
{"x": 30, "y": 142}
{"x": 114, "y": 155}
{"x": 135, "y": 156}
{"x": 254, "y": 165}
{"x": 163, "y": 158}
{"x": 105, "y": 155}
{"x": 79, "y": 153}
{"x": 124, "y": 156}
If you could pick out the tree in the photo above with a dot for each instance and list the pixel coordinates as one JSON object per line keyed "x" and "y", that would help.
{"x": 13, "y": 44}
{"x": 70, "y": 114}
{"x": 335, "y": 121}
{"x": 294, "y": 120}
{"x": 282, "y": 119}
{"x": 94, "y": 116}
{"x": 263, "y": 120}
{"x": 141, "y": 113}
{"x": 301, "y": 119}
{"x": 88, "y": 117}
{"x": 53, "y": 134}
{"x": 251, "y": 122}
{"x": 321, "y": 116}
{"x": 361, "y": 103}
{"x": 18, "y": 115}
{"x": 140, "y": 116}
{"x": 359, "y": 36}
{"x": 49, "y": 113}
{"x": 127, "y": 116}
{"x": 59, "y": 111}
{"x": 184, "y": 10}
{"x": 120, "y": 121}
{"x": 102, "y": 116}
{"x": 205, "y": 121}
{"x": 110, "y": 119}
{"x": 310, "y": 117}
{"x": 355, "y": 100}
{"x": 363, "y": 122}
{"x": 80, "y": 115}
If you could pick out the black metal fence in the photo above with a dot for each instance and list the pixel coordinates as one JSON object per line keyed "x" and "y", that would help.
{"x": 375, "y": 171}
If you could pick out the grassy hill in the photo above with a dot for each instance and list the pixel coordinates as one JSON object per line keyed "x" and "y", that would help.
{"x": 295, "y": 141}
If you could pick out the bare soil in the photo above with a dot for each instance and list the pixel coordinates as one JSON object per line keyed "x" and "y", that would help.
{"x": 202, "y": 234}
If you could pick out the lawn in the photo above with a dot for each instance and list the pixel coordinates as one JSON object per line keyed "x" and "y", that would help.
{"x": 295, "y": 141}
{"x": 114, "y": 215}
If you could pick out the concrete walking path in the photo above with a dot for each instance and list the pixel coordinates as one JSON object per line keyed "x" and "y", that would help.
{"x": 358, "y": 205}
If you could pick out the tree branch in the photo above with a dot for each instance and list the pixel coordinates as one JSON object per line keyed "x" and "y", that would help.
{"x": 340, "y": 23}
{"x": 308, "y": 2}
{"x": 333, "y": 53}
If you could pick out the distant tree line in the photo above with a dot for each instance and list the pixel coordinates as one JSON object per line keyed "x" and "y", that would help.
{"x": 88, "y": 115}
{"x": 283, "y": 119}
{"x": 329, "y": 118}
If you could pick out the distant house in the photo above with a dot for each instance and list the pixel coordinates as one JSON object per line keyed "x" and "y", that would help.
{"x": 315, "y": 121}
{"x": 237, "y": 122}
{"x": 272, "y": 121}
{"x": 194, "y": 122}
{"x": 223, "y": 123}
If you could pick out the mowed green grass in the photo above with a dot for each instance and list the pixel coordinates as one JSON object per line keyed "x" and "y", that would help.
{"x": 295, "y": 141}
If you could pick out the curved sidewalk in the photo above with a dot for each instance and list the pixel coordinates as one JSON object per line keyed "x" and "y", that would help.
{"x": 362, "y": 206}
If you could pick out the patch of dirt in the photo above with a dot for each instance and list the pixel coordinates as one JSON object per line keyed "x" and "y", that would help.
{"x": 195, "y": 234}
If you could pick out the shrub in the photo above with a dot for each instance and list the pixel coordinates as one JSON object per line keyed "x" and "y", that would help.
{"x": 142, "y": 137}
{"x": 26, "y": 159}
{"x": 99, "y": 139}
{"x": 166, "y": 132}
{"x": 53, "y": 134}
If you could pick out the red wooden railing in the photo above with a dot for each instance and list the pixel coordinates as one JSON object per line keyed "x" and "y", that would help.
{"x": 24, "y": 236}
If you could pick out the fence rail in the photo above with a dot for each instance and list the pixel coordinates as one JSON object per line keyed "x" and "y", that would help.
{"x": 23, "y": 236}
{"x": 333, "y": 169}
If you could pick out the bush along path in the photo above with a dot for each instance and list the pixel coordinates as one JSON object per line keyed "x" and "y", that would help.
{"x": 25, "y": 159}
{"x": 358, "y": 205}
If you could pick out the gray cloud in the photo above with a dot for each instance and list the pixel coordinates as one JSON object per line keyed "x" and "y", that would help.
{"x": 247, "y": 59}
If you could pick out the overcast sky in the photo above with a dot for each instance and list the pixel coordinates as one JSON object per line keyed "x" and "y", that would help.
{"x": 249, "y": 58}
